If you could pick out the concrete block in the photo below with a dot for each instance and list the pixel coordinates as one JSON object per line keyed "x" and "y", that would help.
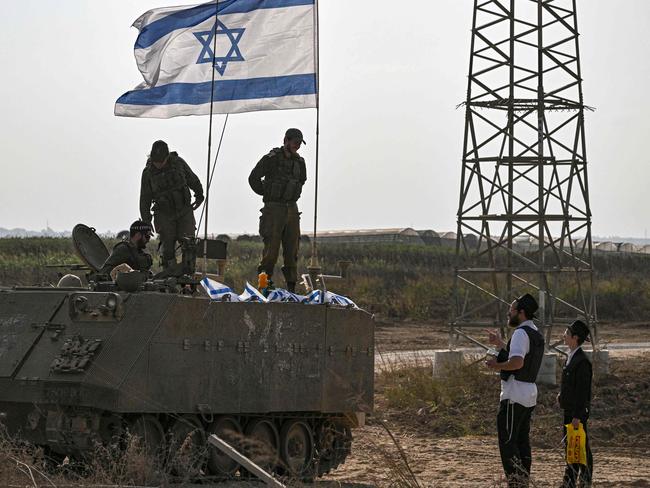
{"x": 443, "y": 361}
{"x": 599, "y": 360}
{"x": 546, "y": 375}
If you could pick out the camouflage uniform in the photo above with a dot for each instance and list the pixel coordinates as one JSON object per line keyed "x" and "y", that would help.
{"x": 168, "y": 188}
{"x": 129, "y": 253}
{"x": 279, "y": 179}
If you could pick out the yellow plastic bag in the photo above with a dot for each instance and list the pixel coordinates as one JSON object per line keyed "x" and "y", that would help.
{"x": 576, "y": 445}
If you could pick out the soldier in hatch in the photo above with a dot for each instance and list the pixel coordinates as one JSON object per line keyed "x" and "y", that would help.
{"x": 131, "y": 252}
{"x": 279, "y": 177}
{"x": 166, "y": 182}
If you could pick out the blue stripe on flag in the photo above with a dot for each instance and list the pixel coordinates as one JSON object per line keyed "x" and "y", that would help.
{"x": 220, "y": 291}
{"x": 224, "y": 90}
{"x": 190, "y": 17}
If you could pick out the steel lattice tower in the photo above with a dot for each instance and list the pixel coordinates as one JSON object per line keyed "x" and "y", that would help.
{"x": 524, "y": 191}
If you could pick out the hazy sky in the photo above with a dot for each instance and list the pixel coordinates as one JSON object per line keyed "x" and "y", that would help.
{"x": 391, "y": 138}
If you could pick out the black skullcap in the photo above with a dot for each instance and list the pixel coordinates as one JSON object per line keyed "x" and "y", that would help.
{"x": 580, "y": 329}
{"x": 528, "y": 304}
{"x": 140, "y": 226}
{"x": 159, "y": 151}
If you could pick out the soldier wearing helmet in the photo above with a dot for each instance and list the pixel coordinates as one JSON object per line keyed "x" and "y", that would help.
{"x": 166, "y": 183}
{"x": 131, "y": 252}
{"x": 279, "y": 177}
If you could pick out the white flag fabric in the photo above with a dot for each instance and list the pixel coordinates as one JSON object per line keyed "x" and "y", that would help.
{"x": 252, "y": 294}
{"x": 335, "y": 299}
{"x": 218, "y": 291}
{"x": 265, "y": 59}
{"x": 282, "y": 295}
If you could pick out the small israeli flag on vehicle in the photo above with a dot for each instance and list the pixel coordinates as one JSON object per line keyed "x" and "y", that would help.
{"x": 261, "y": 55}
{"x": 218, "y": 291}
{"x": 252, "y": 294}
{"x": 282, "y": 295}
{"x": 335, "y": 299}
{"x": 315, "y": 297}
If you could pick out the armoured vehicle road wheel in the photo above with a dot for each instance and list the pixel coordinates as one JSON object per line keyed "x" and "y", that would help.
{"x": 228, "y": 429}
{"x": 150, "y": 434}
{"x": 187, "y": 447}
{"x": 297, "y": 449}
{"x": 262, "y": 442}
{"x": 334, "y": 442}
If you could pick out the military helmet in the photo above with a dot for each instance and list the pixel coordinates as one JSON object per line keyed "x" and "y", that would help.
{"x": 69, "y": 281}
{"x": 159, "y": 151}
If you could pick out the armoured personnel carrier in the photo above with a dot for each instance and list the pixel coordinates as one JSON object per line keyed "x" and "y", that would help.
{"x": 84, "y": 365}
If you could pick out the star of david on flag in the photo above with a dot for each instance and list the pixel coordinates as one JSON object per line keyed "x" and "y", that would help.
{"x": 207, "y": 40}
{"x": 265, "y": 59}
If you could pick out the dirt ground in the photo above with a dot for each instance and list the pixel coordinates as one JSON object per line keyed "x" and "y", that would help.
{"x": 396, "y": 336}
{"x": 620, "y": 427}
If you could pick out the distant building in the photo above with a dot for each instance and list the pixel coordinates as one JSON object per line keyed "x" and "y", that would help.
{"x": 471, "y": 240}
{"x": 448, "y": 239}
{"x": 403, "y": 235}
{"x": 248, "y": 238}
{"x": 430, "y": 237}
{"x": 625, "y": 247}
{"x": 605, "y": 246}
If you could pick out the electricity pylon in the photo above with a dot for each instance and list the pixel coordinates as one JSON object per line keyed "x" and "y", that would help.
{"x": 524, "y": 190}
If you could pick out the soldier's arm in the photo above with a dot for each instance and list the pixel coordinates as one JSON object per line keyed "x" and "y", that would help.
{"x": 192, "y": 180}
{"x": 145, "y": 198}
{"x": 255, "y": 178}
{"x": 303, "y": 171}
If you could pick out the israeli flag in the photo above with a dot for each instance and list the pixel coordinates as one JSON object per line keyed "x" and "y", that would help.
{"x": 265, "y": 59}
{"x": 251, "y": 294}
{"x": 218, "y": 291}
{"x": 282, "y": 295}
{"x": 315, "y": 297}
{"x": 340, "y": 300}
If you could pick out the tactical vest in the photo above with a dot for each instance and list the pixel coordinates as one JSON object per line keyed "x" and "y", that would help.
{"x": 282, "y": 181}
{"x": 533, "y": 360}
{"x": 139, "y": 260}
{"x": 169, "y": 186}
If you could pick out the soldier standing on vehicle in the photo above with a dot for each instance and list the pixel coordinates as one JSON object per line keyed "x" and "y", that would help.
{"x": 518, "y": 363}
{"x": 166, "y": 182}
{"x": 132, "y": 251}
{"x": 279, "y": 177}
{"x": 575, "y": 399}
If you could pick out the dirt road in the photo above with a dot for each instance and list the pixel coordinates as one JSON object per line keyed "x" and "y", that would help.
{"x": 620, "y": 425}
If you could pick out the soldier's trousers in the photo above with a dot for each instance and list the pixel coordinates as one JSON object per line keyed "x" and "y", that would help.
{"x": 170, "y": 229}
{"x": 280, "y": 225}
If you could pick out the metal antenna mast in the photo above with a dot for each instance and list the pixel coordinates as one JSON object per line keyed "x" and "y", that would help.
{"x": 524, "y": 221}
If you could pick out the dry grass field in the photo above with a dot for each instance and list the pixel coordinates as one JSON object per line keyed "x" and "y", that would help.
{"x": 425, "y": 431}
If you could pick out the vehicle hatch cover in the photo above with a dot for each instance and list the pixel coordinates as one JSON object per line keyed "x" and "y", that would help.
{"x": 89, "y": 246}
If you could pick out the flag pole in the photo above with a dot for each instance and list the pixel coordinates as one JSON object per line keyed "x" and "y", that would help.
{"x": 207, "y": 177}
{"x": 314, "y": 249}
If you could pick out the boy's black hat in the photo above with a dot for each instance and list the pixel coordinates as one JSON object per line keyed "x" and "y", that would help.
{"x": 580, "y": 329}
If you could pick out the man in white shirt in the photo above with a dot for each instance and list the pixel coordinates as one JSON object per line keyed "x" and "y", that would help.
{"x": 518, "y": 363}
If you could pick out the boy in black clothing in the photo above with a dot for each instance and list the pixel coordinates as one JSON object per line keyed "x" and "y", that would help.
{"x": 575, "y": 398}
